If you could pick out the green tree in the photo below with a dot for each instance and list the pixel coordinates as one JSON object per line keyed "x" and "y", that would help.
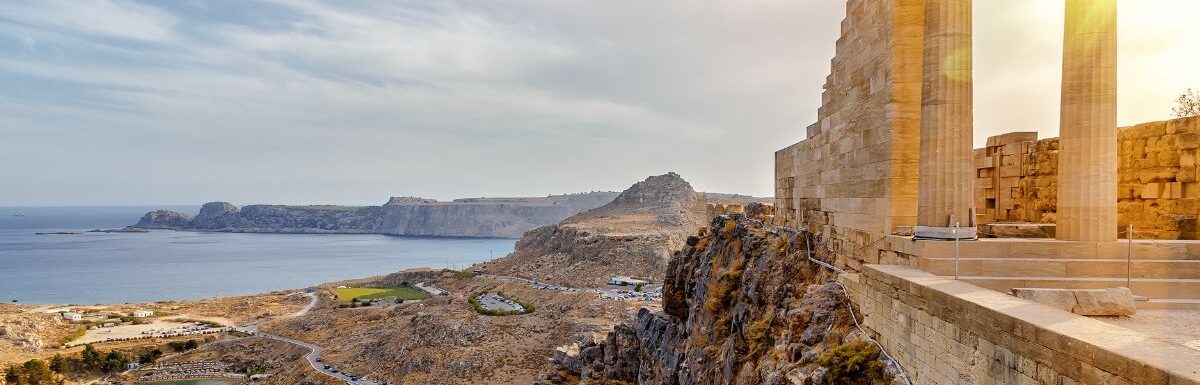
{"x": 91, "y": 357}
{"x": 59, "y": 364}
{"x": 11, "y": 377}
{"x": 150, "y": 356}
{"x": 639, "y": 287}
{"x": 114, "y": 361}
{"x": 37, "y": 372}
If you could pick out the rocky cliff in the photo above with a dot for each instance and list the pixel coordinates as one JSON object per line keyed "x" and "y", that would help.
{"x": 741, "y": 305}
{"x": 474, "y": 217}
{"x": 484, "y": 217}
{"x": 633, "y": 235}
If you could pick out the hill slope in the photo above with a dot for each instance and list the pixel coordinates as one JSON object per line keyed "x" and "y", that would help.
{"x": 634, "y": 235}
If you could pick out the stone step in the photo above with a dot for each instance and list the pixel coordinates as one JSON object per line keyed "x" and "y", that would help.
{"x": 1054, "y": 267}
{"x": 1169, "y": 304}
{"x": 1149, "y": 287}
{"x": 1048, "y": 249}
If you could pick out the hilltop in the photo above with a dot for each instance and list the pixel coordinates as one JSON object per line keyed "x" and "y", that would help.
{"x": 634, "y": 235}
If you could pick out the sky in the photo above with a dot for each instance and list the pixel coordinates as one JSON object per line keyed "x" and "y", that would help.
{"x": 106, "y": 102}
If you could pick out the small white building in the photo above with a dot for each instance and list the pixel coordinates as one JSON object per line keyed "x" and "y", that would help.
{"x": 142, "y": 313}
{"x": 72, "y": 316}
{"x": 626, "y": 281}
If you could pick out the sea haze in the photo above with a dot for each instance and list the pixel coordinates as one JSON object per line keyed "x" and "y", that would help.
{"x": 164, "y": 265}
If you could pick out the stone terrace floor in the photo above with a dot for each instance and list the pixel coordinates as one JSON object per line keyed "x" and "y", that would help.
{"x": 1181, "y": 327}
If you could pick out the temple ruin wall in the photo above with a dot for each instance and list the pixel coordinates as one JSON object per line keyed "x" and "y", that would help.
{"x": 1158, "y": 188}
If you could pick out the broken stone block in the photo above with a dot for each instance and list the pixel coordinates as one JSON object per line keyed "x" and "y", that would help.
{"x": 1090, "y": 302}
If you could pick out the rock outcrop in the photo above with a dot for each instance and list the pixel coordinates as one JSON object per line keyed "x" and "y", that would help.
{"x": 633, "y": 235}
{"x": 475, "y": 217}
{"x": 164, "y": 219}
{"x": 741, "y": 305}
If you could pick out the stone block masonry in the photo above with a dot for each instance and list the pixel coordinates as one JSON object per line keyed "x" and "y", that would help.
{"x": 1157, "y": 186}
{"x": 854, "y": 178}
{"x": 944, "y": 331}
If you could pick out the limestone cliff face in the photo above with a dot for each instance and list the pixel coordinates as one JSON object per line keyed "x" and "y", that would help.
{"x": 484, "y": 217}
{"x": 741, "y": 306}
{"x": 476, "y": 217}
{"x": 633, "y": 235}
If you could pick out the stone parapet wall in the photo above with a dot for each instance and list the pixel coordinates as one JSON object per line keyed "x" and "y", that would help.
{"x": 854, "y": 179}
{"x": 1158, "y": 188}
{"x": 944, "y": 331}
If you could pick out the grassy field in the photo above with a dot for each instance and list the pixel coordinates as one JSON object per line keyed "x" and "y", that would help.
{"x": 400, "y": 292}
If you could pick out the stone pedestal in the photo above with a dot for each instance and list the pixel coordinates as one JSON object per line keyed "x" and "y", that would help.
{"x": 947, "y": 174}
{"x": 1087, "y": 175}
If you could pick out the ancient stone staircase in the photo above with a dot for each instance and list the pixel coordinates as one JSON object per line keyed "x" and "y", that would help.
{"x": 1165, "y": 272}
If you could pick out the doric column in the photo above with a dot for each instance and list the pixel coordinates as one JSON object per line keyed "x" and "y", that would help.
{"x": 946, "y": 192}
{"x": 1087, "y": 158}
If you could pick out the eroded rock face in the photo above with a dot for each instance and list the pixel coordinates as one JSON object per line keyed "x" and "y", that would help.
{"x": 741, "y": 306}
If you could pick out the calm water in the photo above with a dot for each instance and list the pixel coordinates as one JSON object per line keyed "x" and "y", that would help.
{"x": 112, "y": 268}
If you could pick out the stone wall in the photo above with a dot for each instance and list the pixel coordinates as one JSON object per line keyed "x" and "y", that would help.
{"x": 1158, "y": 189}
{"x": 854, "y": 179}
{"x": 950, "y": 332}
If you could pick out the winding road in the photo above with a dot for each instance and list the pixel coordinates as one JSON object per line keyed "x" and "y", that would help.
{"x": 314, "y": 351}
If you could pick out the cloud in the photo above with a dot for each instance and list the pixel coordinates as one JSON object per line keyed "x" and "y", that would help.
{"x": 304, "y": 101}
{"x": 106, "y": 18}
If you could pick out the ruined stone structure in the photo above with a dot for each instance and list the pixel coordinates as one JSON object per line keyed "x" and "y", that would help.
{"x": 1157, "y": 189}
{"x": 855, "y": 178}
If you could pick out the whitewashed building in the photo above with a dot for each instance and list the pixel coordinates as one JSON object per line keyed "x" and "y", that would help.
{"x": 142, "y": 313}
{"x": 72, "y": 316}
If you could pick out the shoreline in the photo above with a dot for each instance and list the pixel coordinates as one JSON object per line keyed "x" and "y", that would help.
{"x": 301, "y": 232}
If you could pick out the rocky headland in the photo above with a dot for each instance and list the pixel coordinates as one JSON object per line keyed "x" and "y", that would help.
{"x": 472, "y": 217}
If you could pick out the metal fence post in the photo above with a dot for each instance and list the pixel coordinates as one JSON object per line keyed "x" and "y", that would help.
{"x": 1129, "y": 259}
{"x": 956, "y": 237}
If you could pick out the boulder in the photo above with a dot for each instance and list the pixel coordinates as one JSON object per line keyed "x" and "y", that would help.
{"x": 1089, "y": 302}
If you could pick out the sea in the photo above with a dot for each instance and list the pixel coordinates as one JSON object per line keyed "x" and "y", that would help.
{"x": 93, "y": 268}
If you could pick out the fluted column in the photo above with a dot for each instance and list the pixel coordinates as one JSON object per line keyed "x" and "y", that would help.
{"x": 1087, "y": 160}
{"x": 946, "y": 194}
